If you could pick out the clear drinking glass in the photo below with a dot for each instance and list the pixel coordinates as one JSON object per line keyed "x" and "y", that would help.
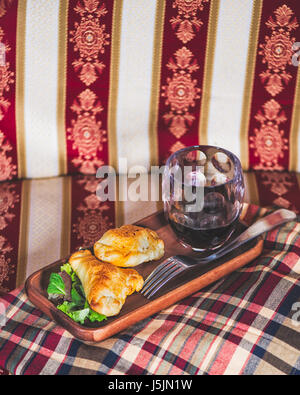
{"x": 203, "y": 191}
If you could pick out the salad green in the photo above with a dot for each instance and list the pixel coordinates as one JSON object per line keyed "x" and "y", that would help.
{"x": 72, "y": 298}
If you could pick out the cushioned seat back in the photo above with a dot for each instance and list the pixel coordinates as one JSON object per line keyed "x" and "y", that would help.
{"x": 87, "y": 82}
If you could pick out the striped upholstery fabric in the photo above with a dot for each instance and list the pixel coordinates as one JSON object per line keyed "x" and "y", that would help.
{"x": 88, "y": 82}
{"x": 44, "y": 220}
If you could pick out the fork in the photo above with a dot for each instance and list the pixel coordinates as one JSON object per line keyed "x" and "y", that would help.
{"x": 177, "y": 264}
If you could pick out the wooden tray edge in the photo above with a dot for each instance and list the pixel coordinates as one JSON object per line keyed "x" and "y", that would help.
{"x": 92, "y": 335}
{"x": 179, "y": 293}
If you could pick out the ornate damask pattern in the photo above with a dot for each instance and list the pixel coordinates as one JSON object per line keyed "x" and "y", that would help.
{"x": 176, "y": 147}
{"x": 89, "y": 41}
{"x": 8, "y": 168}
{"x": 278, "y": 188}
{"x": 4, "y": 4}
{"x": 185, "y": 30}
{"x": 90, "y": 217}
{"x": 181, "y": 91}
{"x": 9, "y": 199}
{"x": 9, "y": 192}
{"x": 89, "y": 38}
{"x": 277, "y": 50}
{"x": 86, "y": 133}
{"x": 186, "y": 22}
{"x": 6, "y": 76}
{"x": 269, "y": 142}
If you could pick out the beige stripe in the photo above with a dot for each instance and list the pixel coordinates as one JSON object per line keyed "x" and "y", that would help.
{"x": 251, "y": 191}
{"x": 293, "y": 233}
{"x": 61, "y": 86}
{"x": 156, "y": 72}
{"x": 294, "y": 165}
{"x": 23, "y": 235}
{"x": 136, "y": 207}
{"x": 240, "y": 356}
{"x": 264, "y": 367}
{"x": 298, "y": 180}
{"x": 113, "y": 98}
{"x": 119, "y": 205}
{"x": 248, "y": 88}
{"x": 45, "y": 222}
{"x": 229, "y": 69}
{"x": 113, "y": 83}
{"x": 135, "y": 82}
{"x": 66, "y": 217}
{"x": 20, "y": 57}
{"x": 208, "y": 70}
{"x": 119, "y": 213}
{"x": 40, "y": 94}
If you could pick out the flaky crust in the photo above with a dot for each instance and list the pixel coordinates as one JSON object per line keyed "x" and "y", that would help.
{"x": 106, "y": 286}
{"x": 129, "y": 246}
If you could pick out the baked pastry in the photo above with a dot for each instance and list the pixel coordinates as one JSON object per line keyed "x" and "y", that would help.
{"x": 129, "y": 246}
{"x": 106, "y": 286}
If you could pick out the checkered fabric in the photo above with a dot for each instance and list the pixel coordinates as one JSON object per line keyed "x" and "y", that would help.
{"x": 246, "y": 323}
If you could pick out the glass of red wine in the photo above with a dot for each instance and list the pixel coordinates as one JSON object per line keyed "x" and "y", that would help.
{"x": 203, "y": 191}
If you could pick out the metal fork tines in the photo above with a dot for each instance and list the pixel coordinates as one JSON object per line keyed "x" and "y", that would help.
{"x": 162, "y": 274}
{"x": 174, "y": 265}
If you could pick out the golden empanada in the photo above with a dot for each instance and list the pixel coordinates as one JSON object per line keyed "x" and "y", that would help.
{"x": 129, "y": 246}
{"x": 106, "y": 286}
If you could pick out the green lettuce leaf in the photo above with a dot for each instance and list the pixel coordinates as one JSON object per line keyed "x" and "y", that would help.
{"x": 77, "y": 297}
{"x": 80, "y": 315}
{"x": 78, "y": 308}
{"x": 56, "y": 285}
{"x": 94, "y": 316}
{"x": 67, "y": 268}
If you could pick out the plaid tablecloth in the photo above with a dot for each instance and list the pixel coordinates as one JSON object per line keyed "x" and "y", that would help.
{"x": 246, "y": 323}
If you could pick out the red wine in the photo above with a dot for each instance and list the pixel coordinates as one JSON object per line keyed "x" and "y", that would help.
{"x": 203, "y": 239}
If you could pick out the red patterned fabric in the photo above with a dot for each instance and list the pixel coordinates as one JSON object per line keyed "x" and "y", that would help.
{"x": 70, "y": 206}
{"x": 274, "y": 87}
{"x": 278, "y": 188}
{"x": 91, "y": 122}
{"x": 90, "y": 217}
{"x": 80, "y": 219}
{"x": 182, "y": 66}
{"x": 87, "y": 85}
{"x": 10, "y": 207}
{"x": 8, "y": 141}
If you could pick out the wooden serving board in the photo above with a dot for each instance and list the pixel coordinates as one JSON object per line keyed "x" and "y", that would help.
{"x": 137, "y": 307}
